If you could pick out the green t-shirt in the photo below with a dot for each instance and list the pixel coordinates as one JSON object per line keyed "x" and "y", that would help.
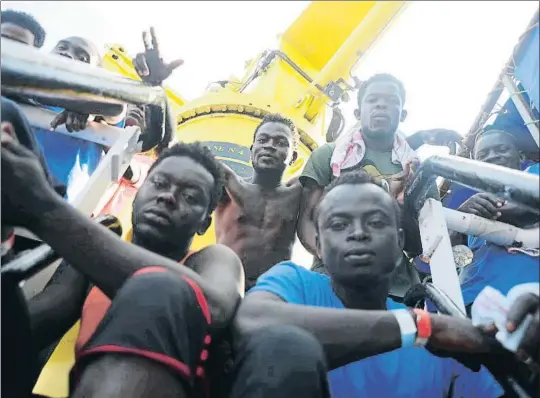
{"x": 376, "y": 163}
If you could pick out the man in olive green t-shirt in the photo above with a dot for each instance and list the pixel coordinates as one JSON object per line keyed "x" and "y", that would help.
{"x": 380, "y": 110}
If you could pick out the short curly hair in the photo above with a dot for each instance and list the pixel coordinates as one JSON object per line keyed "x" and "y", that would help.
{"x": 202, "y": 155}
{"x": 491, "y": 130}
{"x": 277, "y": 118}
{"x": 25, "y": 21}
{"x": 378, "y": 78}
{"x": 356, "y": 177}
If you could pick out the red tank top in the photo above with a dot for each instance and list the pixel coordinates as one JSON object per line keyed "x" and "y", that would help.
{"x": 94, "y": 309}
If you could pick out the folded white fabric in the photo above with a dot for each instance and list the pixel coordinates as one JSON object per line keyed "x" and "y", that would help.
{"x": 491, "y": 307}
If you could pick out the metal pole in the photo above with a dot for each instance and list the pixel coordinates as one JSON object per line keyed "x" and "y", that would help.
{"x": 510, "y": 184}
{"x": 28, "y": 71}
{"x": 492, "y": 231}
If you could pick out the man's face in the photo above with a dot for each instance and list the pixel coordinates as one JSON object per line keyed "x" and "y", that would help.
{"x": 381, "y": 109}
{"x": 78, "y": 49}
{"x": 359, "y": 239}
{"x": 17, "y": 33}
{"x": 172, "y": 204}
{"x": 273, "y": 147}
{"x": 497, "y": 148}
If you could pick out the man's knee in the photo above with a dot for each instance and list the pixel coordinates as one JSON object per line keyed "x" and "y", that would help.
{"x": 155, "y": 284}
{"x": 158, "y": 293}
{"x": 282, "y": 360}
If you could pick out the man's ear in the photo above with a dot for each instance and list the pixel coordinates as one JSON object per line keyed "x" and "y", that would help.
{"x": 404, "y": 114}
{"x": 294, "y": 157}
{"x": 204, "y": 225}
{"x": 401, "y": 238}
{"x": 357, "y": 114}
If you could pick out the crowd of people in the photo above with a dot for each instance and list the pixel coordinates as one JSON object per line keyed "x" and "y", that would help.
{"x": 239, "y": 318}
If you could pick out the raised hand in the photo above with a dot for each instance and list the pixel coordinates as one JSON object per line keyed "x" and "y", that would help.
{"x": 26, "y": 190}
{"x": 149, "y": 65}
{"x": 74, "y": 121}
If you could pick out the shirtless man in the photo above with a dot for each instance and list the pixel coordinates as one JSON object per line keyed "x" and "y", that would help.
{"x": 257, "y": 218}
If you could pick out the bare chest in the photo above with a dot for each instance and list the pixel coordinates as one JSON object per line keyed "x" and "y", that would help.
{"x": 269, "y": 210}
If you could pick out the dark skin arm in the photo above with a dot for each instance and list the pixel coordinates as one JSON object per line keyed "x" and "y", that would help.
{"x": 112, "y": 261}
{"x": 311, "y": 195}
{"x": 58, "y": 306}
{"x": 439, "y": 137}
{"x": 491, "y": 207}
{"x": 233, "y": 186}
{"x": 350, "y": 335}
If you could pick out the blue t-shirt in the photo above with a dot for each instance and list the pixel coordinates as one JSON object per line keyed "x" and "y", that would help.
{"x": 493, "y": 266}
{"x": 71, "y": 160}
{"x": 403, "y": 373}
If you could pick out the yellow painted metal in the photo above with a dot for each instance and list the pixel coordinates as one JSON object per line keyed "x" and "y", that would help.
{"x": 324, "y": 42}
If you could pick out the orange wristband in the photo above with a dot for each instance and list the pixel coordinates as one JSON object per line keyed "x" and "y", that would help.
{"x": 423, "y": 327}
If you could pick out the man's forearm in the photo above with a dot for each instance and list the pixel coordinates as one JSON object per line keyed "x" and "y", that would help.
{"x": 54, "y": 310}
{"x": 346, "y": 335}
{"x": 99, "y": 253}
{"x": 233, "y": 186}
{"x": 415, "y": 140}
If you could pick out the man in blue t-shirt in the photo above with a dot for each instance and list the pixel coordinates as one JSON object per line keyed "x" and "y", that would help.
{"x": 373, "y": 345}
{"x": 497, "y": 266}
{"x": 72, "y": 160}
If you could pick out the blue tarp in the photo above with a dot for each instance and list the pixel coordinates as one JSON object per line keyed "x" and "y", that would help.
{"x": 510, "y": 120}
{"x": 527, "y": 65}
{"x": 526, "y": 71}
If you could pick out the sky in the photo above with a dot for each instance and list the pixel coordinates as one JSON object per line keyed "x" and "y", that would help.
{"x": 448, "y": 54}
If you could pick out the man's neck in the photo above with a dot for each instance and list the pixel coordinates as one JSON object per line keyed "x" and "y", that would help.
{"x": 267, "y": 179}
{"x": 177, "y": 253}
{"x": 382, "y": 142}
{"x": 367, "y": 297}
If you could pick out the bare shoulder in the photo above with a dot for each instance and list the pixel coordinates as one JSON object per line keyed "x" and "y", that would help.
{"x": 218, "y": 263}
{"x": 215, "y": 254}
{"x": 293, "y": 184}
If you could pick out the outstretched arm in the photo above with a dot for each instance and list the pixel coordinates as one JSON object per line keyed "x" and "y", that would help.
{"x": 54, "y": 310}
{"x": 350, "y": 335}
{"x": 439, "y": 137}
